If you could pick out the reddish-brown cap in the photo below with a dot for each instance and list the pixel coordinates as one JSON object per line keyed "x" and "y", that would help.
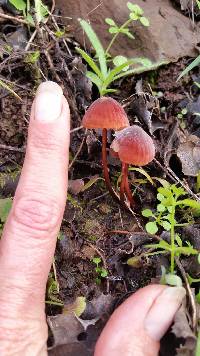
{"x": 105, "y": 113}
{"x": 134, "y": 146}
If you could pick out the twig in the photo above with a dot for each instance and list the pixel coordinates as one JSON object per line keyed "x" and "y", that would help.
{"x": 79, "y": 150}
{"x": 30, "y": 40}
{"x": 76, "y": 129}
{"x": 13, "y": 18}
{"x": 10, "y": 148}
{"x": 175, "y": 179}
{"x": 190, "y": 294}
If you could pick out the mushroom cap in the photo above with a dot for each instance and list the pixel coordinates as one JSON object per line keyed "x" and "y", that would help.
{"x": 105, "y": 113}
{"x": 134, "y": 146}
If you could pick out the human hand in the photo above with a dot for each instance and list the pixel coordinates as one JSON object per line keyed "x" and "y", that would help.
{"x": 28, "y": 243}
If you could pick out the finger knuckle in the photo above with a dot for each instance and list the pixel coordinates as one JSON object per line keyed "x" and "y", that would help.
{"x": 37, "y": 214}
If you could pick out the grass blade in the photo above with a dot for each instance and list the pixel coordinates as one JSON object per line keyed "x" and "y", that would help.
{"x": 5, "y": 86}
{"x": 192, "y": 65}
{"x": 90, "y": 62}
{"x": 96, "y": 44}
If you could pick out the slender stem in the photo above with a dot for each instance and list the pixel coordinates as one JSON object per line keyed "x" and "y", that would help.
{"x": 128, "y": 190}
{"x": 105, "y": 166}
{"x": 115, "y": 36}
{"x": 172, "y": 237}
{"x": 122, "y": 185}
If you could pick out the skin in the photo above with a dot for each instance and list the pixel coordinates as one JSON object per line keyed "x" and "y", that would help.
{"x": 28, "y": 244}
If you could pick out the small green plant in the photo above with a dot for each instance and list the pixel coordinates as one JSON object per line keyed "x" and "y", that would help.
{"x": 198, "y": 4}
{"x": 181, "y": 116}
{"x": 40, "y": 10}
{"x": 53, "y": 291}
{"x": 100, "y": 271}
{"x": 165, "y": 217}
{"x": 101, "y": 74}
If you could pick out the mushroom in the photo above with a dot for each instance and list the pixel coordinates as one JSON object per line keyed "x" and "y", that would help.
{"x": 106, "y": 113}
{"x": 133, "y": 146}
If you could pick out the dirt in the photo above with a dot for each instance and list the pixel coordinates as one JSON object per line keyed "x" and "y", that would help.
{"x": 94, "y": 225}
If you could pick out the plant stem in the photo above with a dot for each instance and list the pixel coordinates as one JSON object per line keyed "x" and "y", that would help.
{"x": 172, "y": 237}
{"x": 127, "y": 189}
{"x": 105, "y": 166}
{"x": 124, "y": 187}
{"x": 115, "y": 36}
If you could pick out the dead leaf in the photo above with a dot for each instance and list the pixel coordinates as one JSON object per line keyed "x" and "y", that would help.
{"x": 78, "y": 336}
{"x": 189, "y": 154}
{"x": 181, "y": 329}
{"x": 75, "y": 186}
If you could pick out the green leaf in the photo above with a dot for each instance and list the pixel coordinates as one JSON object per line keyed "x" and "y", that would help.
{"x": 96, "y": 44}
{"x": 147, "y": 213}
{"x": 173, "y": 280}
{"x": 192, "y": 280}
{"x": 144, "y": 21}
{"x": 18, "y": 4}
{"x": 189, "y": 202}
{"x": 129, "y": 34}
{"x": 96, "y": 260}
{"x": 118, "y": 60}
{"x": 41, "y": 11}
{"x": 133, "y": 16}
{"x": 90, "y": 62}
{"x": 195, "y": 63}
{"x": 113, "y": 30}
{"x": 5, "y": 206}
{"x": 103, "y": 273}
{"x": 198, "y": 182}
{"x": 91, "y": 182}
{"x": 162, "y": 181}
{"x": 94, "y": 79}
{"x": 143, "y": 172}
{"x": 199, "y": 258}
{"x": 110, "y": 21}
{"x": 135, "y": 8}
{"x": 160, "y": 196}
{"x": 165, "y": 192}
{"x": 166, "y": 225}
{"x": 178, "y": 240}
{"x": 151, "y": 227}
{"x": 161, "y": 208}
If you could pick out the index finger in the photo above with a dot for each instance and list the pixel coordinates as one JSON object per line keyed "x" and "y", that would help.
{"x": 29, "y": 237}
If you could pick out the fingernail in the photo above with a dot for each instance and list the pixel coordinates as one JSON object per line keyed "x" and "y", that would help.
{"x": 162, "y": 312}
{"x": 48, "y": 102}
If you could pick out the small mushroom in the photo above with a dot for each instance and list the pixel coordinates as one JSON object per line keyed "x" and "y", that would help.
{"x": 133, "y": 146}
{"x": 106, "y": 113}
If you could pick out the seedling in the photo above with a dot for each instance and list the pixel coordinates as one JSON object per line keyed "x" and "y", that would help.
{"x": 53, "y": 291}
{"x": 100, "y": 271}
{"x": 40, "y": 10}
{"x": 133, "y": 146}
{"x": 181, "y": 116}
{"x": 165, "y": 217}
{"x": 5, "y": 207}
{"x": 100, "y": 74}
{"x": 105, "y": 113}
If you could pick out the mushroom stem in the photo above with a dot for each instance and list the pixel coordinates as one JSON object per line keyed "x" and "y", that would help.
{"x": 125, "y": 188}
{"x": 105, "y": 166}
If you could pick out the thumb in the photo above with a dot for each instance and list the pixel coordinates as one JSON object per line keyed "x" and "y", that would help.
{"x": 137, "y": 326}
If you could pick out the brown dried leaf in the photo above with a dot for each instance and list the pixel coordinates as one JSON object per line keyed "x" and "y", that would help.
{"x": 75, "y": 186}
{"x": 189, "y": 155}
{"x": 181, "y": 329}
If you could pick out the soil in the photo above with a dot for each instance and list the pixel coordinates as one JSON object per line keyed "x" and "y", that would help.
{"x": 94, "y": 225}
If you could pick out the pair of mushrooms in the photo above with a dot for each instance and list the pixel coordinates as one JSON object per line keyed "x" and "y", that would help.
{"x": 132, "y": 145}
